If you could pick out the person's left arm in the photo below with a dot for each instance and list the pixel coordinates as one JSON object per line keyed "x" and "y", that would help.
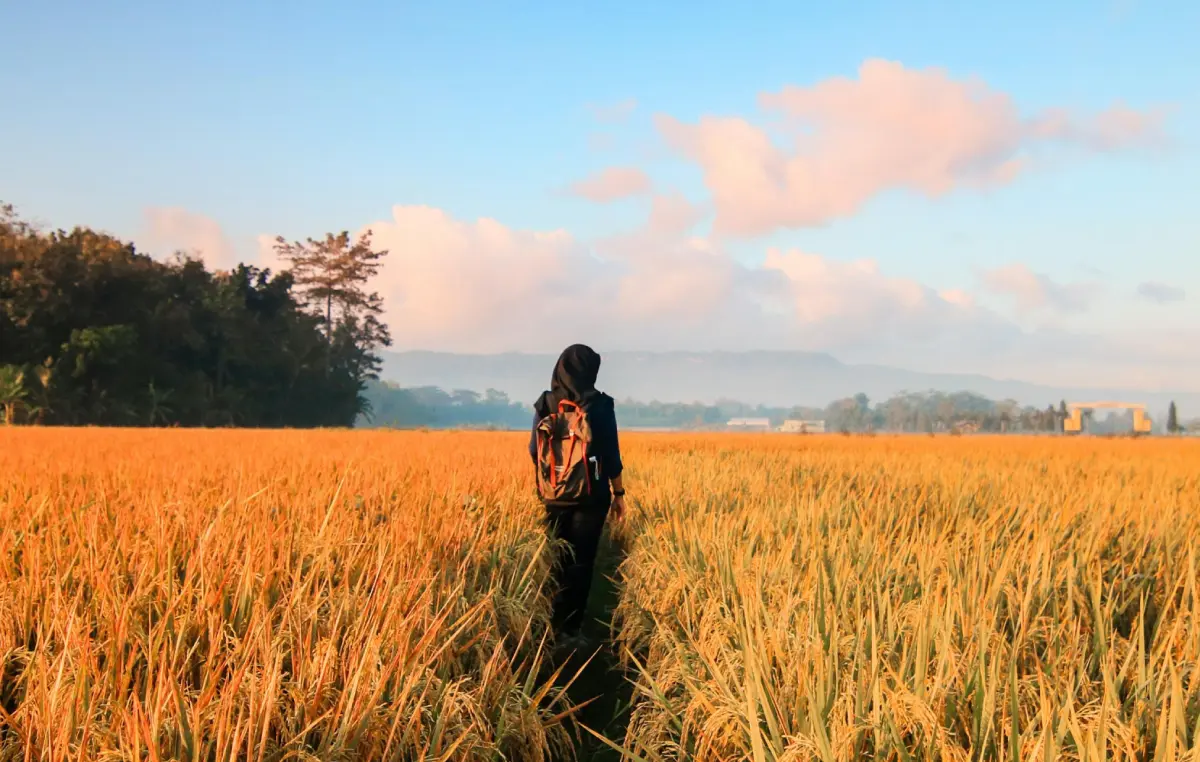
{"x": 610, "y": 456}
{"x": 608, "y": 443}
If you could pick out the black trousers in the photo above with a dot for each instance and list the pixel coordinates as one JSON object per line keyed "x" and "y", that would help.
{"x": 575, "y": 564}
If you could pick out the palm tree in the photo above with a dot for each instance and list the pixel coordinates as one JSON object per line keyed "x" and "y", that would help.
{"x": 159, "y": 412}
{"x": 12, "y": 391}
{"x": 41, "y": 406}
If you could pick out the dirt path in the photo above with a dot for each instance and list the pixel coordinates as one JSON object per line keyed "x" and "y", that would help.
{"x": 602, "y": 680}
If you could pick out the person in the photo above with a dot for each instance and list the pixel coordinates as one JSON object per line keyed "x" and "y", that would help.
{"x": 581, "y": 525}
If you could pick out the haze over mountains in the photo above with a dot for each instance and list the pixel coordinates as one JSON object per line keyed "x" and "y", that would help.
{"x": 770, "y": 378}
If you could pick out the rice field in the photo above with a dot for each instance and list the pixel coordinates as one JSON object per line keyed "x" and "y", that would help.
{"x": 219, "y": 595}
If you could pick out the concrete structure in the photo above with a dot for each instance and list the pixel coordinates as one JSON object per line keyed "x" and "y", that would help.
{"x": 1074, "y": 420}
{"x": 750, "y": 424}
{"x": 798, "y": 426}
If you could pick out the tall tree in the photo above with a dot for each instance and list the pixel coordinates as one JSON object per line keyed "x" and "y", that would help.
{"x": 1172, "y": 419}
{"x": 332, "y": 275}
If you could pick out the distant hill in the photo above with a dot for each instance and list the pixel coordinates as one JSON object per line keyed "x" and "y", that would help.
{"x": 768, "y": 378}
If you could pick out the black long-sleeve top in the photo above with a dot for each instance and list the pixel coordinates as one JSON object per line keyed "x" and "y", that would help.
{"x": 602, "y": 415}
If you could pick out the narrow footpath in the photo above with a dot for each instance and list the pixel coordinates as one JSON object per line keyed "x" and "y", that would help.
{"x": 603, "y": 681}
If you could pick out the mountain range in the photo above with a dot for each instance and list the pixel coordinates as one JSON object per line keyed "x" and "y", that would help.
{"x": 769, "y": 378}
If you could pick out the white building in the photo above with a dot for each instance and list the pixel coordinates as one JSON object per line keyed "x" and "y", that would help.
{"x": 750, "y": 424}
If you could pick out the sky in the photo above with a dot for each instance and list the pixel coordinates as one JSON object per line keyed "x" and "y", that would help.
{"x": 1000, "y": 188}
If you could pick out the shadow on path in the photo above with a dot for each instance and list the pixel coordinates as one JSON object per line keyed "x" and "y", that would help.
{"x": 603, "y": 681}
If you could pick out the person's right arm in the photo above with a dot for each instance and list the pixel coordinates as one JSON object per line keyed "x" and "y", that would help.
{"x": 533, "y": 439}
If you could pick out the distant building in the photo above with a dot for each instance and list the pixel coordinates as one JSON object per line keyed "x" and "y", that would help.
{"x": 797, "y": 426}
{"x": 750, "y": 424}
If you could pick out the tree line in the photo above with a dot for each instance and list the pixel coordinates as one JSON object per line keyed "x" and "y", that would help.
{"x": 94, "y": 331}
{"x": 393, "y": 406}
{"x": 933, "y": 411}
{"x": 432, "y": 407}
{"x": 914, "y": 412}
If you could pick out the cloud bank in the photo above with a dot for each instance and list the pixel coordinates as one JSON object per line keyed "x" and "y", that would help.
{"x": 1035, "y": 291}
{"x": 850, "y": 140}
{"x": 612, "y": 184}
{"x": 176, "y": 229}
{"x": 1161, "y": 293}
{"x": 478, "y": 286}
{"x": 481, "y": 286}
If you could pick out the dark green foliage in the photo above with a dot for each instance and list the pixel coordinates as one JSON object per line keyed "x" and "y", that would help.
{"x": 99, "y": 333}
{"x": 912, "y": 412}
{"x": 393, "y": 406}
{"x": 939, "y": 411}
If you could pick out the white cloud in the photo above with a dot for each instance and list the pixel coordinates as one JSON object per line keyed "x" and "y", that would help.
{"x": 891, "y": 128}
{"x": 481, "y": 286}
{"x": 1161, "y": 293}
{"x": 612, "y": 184}
{"x": 171, "y": 229}
{"x": 1035, "y": 291}
{"x": 672, "y": 213}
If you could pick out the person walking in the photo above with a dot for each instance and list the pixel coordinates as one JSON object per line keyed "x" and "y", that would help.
{"x": 577, "y": 455}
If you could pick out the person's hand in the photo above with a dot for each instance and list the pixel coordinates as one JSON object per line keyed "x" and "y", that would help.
{"x": 618, "y": 508}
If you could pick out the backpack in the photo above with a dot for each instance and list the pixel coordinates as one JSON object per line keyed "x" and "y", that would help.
{"x": 564, "y": 438}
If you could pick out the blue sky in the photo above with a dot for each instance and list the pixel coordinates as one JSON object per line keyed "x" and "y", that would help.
{"x": 299, "y": 118}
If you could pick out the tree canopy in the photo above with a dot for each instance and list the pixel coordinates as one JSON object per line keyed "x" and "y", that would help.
{"x": 94, "y": 331}
{"x": 930, "y": 411}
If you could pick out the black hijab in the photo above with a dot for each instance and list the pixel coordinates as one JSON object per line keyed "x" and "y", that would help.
{"x": 574, "y": 378}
